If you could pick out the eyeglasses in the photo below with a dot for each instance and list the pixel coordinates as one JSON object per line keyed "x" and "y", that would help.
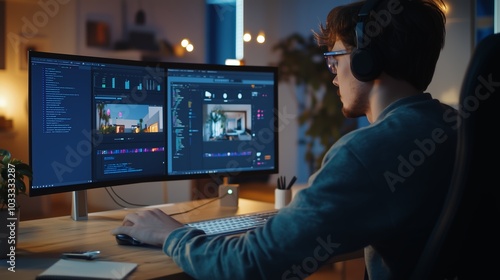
{"x": 331, "y": 62}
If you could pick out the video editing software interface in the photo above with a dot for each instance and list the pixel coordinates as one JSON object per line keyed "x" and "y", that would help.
{"x": 97, "y": 122}
{"x": 220, "y": 120}
{"x": 94, "y": 121}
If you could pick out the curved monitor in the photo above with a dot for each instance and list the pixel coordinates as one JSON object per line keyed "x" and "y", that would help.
{"x": 94, "y": 122}
{"x": 99, "y": 122}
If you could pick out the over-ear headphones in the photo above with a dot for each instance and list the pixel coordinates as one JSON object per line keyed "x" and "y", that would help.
{"x": 366, "y": 65}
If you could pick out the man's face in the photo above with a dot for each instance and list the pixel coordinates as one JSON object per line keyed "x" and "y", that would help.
{"x": 352, "y": 92}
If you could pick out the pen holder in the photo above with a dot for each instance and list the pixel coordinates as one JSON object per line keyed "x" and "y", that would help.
{"x": 282, "y": 198}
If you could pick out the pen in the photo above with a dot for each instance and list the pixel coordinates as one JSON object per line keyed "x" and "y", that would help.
{"x": 291, "y": 182}
{"x": 281, "y": 183}
{"x": 87, "y": 255}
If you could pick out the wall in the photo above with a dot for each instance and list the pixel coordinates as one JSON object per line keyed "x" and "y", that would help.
{"x": 21, "y": 16}
{"x": 455, "y": 56}
{"x": 278, "y": 19}
{"x": 28, "y": 23}
{"x": 64, "y": 31}
{"x": 171, "y": 21}
{"x": 59, "y": 26}
{"x": 497, "y": 16}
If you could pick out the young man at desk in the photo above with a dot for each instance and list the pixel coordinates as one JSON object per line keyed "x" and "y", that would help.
{"x": 380, "y": 187}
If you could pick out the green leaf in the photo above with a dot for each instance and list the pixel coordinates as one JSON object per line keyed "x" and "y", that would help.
{"x": 301, "y": 61}
{"x": 5, "y": 157}
{"x": 22, "y": 171}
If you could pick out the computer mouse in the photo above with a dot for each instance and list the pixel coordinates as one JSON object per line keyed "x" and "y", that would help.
{"x": 123, "y": 239}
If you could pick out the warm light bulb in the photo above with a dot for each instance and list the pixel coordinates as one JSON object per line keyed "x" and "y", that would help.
{"x": 261, "y": 38}
{"x": 247, "y": 37}
{"x": 184, "y": 43}
{"x": 189, "y": 47}
{"x": 232, "y": 61}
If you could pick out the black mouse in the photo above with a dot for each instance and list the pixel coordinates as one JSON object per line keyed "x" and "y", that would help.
{"x": 123, "y": 239}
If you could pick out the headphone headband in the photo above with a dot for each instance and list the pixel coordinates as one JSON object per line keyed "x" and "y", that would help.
{"x": 365, "y": 65}
{"x": 363, "y": 13}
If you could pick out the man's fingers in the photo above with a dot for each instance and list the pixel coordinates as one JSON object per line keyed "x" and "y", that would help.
{"x": 128, "y": 223}
{"x": 121, "y": 230}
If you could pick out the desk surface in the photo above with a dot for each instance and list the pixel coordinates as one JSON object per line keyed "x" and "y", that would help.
{"x": 41, "y": 242}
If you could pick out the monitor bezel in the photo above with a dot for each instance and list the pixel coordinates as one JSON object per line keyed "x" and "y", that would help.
{"x": 92, "y": 185}
{"x": 218, "y": 177}
{"x": 146, "y": 179}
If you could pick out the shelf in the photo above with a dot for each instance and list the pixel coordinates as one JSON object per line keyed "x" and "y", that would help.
{"x": 7, "y": 133}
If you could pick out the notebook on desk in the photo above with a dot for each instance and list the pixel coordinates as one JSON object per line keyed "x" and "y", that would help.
{"x": 83, "y": 269}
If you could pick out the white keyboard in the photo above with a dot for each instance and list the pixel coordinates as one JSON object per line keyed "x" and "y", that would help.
{"x": 235, "y": 224}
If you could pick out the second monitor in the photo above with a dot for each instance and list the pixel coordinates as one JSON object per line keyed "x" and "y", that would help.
{"x": 221, "y": 120}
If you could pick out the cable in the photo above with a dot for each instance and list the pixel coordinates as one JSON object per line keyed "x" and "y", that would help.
{"x": 201, "y": 205}
{"x": 122, "y": 199}
{"x": 114, "y": 199}
{"x": 141, "y": 205}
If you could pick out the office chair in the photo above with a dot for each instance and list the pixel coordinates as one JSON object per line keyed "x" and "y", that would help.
{"x": 466, "y": 234}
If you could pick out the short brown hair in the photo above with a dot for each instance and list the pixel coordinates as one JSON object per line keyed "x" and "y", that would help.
{"x": 409, "y": 42}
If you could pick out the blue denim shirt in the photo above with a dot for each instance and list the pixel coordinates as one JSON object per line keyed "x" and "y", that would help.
{"x": 380, "y": 188}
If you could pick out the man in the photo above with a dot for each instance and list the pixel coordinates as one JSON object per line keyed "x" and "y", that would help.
{"x": 380, "y": 187}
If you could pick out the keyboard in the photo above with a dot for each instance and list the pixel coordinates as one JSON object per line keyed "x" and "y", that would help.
{"x": 235, "y": 224}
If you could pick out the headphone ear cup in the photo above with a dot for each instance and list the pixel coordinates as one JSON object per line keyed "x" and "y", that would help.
{"x": 365, "y": 65}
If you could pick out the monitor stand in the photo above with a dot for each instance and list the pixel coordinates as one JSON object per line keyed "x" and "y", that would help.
{"x": 79, "y": 205}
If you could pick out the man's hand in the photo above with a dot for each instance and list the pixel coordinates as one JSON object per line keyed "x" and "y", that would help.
{"x": 150, "y": 226}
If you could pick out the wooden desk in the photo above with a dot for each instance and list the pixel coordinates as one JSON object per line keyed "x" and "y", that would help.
{"x": 41, "y": 242}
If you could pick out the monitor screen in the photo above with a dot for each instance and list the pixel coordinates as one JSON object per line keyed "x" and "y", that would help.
{"x": 94, "y": 122}
{"x": 221, "y": 120}
{"x": 99, "y": 122}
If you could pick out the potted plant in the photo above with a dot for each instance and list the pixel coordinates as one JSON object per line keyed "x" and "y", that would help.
{"x": 301, "y": 61}
{"x": 12, "y": 174}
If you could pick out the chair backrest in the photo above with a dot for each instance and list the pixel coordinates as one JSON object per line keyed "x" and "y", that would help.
{"x": 466, "y": 234}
